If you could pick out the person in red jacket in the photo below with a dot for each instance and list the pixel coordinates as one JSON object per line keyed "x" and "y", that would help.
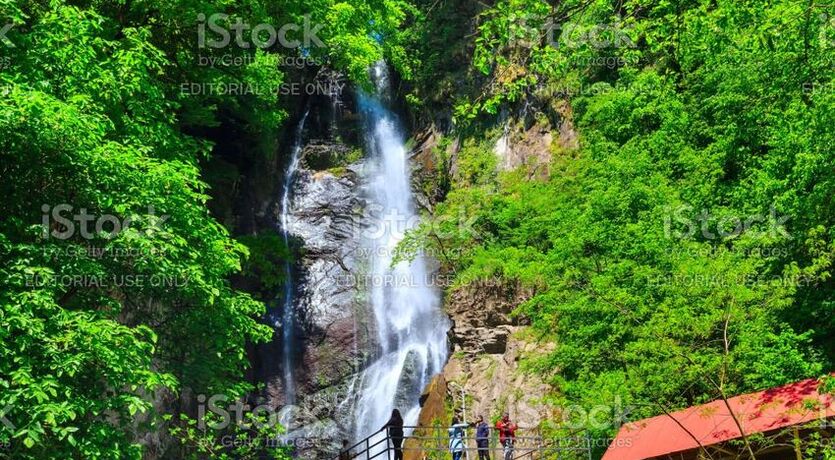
{"x": 507, "y": 435}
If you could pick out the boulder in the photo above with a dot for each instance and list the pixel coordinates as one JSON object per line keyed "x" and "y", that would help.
{"x": 432, "y": 414}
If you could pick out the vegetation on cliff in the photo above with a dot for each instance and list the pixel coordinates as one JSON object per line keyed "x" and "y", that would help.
{"x": 684, "y": 251}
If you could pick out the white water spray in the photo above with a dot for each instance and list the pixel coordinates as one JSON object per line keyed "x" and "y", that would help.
{"x": 411, "y": 327}
{"x": 288, "y": 321}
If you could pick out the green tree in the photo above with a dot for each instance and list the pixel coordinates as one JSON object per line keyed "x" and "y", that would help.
{"x": 114, "y": 279}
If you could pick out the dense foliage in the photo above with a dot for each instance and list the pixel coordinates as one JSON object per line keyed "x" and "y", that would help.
{"x": 114, "y": 291}
{"x": 684, "y": 251}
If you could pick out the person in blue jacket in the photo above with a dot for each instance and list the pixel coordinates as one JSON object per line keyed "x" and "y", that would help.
{"x": 456, "y": 438}
{"x": 482, "y": 438}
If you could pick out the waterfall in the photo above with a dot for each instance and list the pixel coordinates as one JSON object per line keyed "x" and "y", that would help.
{"x": 288, "y": 320}
{"x": 410, "y": 326}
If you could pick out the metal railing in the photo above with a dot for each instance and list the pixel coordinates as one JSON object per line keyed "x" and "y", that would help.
{"x": 432, "y": 443}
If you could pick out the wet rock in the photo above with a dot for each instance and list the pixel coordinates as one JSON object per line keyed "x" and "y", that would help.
{"x": 325, "y": 225}
{"x": 320, "y": 156}
{"x": 409, "y": 383}
{"x": 491, "y": 340}
{"x": 327, "y": 219}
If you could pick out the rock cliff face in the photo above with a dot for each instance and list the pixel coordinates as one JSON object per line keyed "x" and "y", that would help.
{"x": 333, "y": 326}
{"x": 481, "y": 315}
{"x": 529, "y": 142}
{"x": 327, "y": 217}
{"x": 489, "y": 344}
{"x": 336, "y": 328}
{"x": 333, "y": 333}
{"x": 434, "y": 403}
{"x": 489, "y": 341}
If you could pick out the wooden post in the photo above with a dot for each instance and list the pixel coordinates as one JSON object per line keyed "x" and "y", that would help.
{"x": 797, "y": 451}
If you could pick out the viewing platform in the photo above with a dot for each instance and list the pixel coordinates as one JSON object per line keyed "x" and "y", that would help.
{"x": 422, "y": 442}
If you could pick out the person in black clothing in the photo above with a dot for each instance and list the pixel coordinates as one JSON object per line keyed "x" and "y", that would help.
{"x": 394, "y": 429}
{"x": 345, "y": 453}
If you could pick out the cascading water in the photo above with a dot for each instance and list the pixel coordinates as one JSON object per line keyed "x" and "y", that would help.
{"x": 288, "y": 320}
{"x": 411, "y": 327}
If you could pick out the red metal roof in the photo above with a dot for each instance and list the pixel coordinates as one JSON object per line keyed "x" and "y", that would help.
{"x": 712, "y": 423}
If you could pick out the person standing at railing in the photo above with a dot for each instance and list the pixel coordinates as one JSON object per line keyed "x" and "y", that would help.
{"x": 345, "y": 452}
{"x": 507, "y": 435}
{"x": 394, "y": 430}
{"x": 456, "y": 438}
{"x": 482, "y": 438}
